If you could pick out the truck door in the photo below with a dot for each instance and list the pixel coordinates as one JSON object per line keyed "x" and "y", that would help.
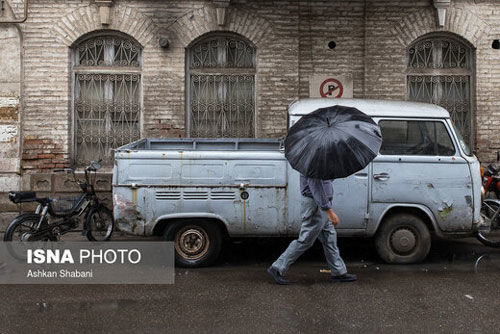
{"x": 419, "y": 164}
{"x": 350, "y": 200}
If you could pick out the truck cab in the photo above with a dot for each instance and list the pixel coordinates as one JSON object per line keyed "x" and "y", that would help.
{"x": 424, "y": 179}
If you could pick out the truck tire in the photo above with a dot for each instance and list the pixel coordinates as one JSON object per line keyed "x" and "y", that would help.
{"x": 403, "y": 238}
{"x": 197, "y": 243}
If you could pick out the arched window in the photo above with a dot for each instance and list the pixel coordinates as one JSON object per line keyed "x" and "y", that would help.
{"x": 107, "y": 95}
{"x": 221, "y": 87}
{"x": 440, "y": 71}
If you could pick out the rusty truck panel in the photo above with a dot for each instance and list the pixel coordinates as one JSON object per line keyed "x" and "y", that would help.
{"x": 241, "y": 183}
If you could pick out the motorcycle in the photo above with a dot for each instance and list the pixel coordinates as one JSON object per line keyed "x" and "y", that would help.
{"x": 491, "y": 180}
{"x": 489, "y": 232}
{"x": 489, "y": 229}
{"x": 55, "y": 217}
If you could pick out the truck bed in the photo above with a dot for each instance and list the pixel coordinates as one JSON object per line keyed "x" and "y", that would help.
{"x": 204, "y": 144}
{"x": 241, "y": 182}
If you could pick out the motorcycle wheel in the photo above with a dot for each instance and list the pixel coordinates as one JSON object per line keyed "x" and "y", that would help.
{"x": 23, "y": 230}
{"x": 99, "y": 224}
{"x": 490, "y": 238}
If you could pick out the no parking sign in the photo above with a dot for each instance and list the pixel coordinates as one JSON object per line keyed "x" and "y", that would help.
{"x": 331, "y": 86}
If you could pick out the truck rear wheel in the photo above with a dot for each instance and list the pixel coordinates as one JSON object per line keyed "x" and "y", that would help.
{"x": 403, "y": 238}
{"x": 197, "y": 243}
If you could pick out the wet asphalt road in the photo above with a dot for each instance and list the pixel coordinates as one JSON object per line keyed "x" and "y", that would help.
{"x": 456, "y": 290}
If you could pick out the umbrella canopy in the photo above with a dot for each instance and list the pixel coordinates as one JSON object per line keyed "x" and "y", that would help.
{"x": 332, "y": 142}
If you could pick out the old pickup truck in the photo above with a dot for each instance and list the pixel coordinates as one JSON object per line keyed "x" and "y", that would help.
{"x": 196, "y": 192}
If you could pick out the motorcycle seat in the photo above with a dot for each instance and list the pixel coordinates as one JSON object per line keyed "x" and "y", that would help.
{"x": 22, "y": 196}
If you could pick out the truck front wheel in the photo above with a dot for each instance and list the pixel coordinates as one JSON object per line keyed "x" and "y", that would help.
{"x": 403, "y": 238}
{"x": 196, "y": 243}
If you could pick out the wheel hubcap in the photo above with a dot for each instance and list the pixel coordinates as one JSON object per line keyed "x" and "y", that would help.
{"x": 403, "y": 241}
{"x": 191, "y": 242}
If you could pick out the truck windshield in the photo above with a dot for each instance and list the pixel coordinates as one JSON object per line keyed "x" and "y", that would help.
{"x": 462, "y": 142}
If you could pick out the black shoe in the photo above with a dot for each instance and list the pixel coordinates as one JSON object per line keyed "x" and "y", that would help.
{"x": 277, "y": 277}
{"x": 344, "y": 278}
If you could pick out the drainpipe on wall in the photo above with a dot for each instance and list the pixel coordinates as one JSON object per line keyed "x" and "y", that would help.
{"x": 17, "y": 21}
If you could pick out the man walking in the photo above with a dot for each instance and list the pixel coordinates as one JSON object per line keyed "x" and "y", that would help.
{"x": 318, "y": 221}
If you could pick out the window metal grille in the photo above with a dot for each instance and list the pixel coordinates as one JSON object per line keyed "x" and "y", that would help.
{"x": 221, "y": 92}
{"x": 108, "y": 51}
{"x": 440, "y": 72}
{"x": 107, "y": 97}
{"x": 227, "y": 52}
{"x": 439, "y": 53}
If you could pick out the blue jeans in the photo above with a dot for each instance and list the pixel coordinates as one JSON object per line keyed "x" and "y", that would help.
{"x": 315, "y": 225}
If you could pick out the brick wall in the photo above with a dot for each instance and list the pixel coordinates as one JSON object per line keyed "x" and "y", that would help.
{"x": 10, "y": 118}
{"x": 474, "y": 23}
{"x": 292, "y": 42}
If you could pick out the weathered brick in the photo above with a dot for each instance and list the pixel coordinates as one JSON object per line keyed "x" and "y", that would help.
{"x": 291, "y": 38}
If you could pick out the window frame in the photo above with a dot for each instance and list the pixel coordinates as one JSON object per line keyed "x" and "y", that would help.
{"x": 445, "y": 122}
{"x": 218, "y": 71}
{"x": 441, "y": 72}
{"x": 105, "y": 69}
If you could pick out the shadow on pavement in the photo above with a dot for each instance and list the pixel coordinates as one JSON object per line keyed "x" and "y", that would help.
{"x": 459, "y": 254}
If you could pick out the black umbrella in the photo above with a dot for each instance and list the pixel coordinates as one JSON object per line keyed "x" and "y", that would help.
{"x": 332, "y": 142}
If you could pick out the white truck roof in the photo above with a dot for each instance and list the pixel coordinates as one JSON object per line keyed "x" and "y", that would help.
{"x": 371, "y": 107}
